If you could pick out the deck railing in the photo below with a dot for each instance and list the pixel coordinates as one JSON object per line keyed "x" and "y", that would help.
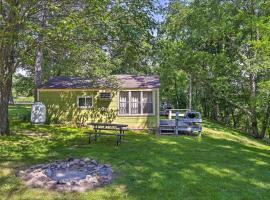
{"x": 172, "y": 112}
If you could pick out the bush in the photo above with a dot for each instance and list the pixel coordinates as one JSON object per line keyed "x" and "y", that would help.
{"x": 24, "y": 117}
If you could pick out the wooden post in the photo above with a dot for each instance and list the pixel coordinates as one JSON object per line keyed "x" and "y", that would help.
{"x": 170, "y": 114}
{"x": 158, "y": 107}
{"x": 176, "y": 122}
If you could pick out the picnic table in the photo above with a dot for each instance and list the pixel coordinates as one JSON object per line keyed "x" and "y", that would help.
{"x": 98, "y": 127}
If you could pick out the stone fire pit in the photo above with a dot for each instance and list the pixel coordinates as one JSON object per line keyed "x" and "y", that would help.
{"x": 68, "y": 175}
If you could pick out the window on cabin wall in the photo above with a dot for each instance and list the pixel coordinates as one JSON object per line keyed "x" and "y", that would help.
{"x": 124, "y": 103}
{"x": 136, "y": 102}
{"x": 147, "y": 102}
{"x": 85, "y": 102}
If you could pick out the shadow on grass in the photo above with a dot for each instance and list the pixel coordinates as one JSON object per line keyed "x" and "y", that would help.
{"x": 148, "y": 166}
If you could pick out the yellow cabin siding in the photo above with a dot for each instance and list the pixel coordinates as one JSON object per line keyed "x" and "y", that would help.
{"x": 62, "y": 108}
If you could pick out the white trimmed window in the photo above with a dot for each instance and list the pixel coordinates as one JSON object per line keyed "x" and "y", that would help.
{"x": 136, "y": 102}
{"x": 147, "y": 102}
{"x": 124, "y": 103}
{"x": 85, "y": 102}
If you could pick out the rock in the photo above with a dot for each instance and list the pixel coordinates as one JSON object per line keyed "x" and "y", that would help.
{"x": 45, "y": 167}
{"x": 63, "y": 166}
{"x": 49, "y": 172}
{"x": 90, "y": 168}
{"x": 50, "y": 184}
{"x": 82, "y": 182}
{"x": 91, "y": 165}
{"x": 94, "y": 162}
{"x": 68, "y": 183}
{"x": 38, "y": 166}
{"x": 37, "y": 170}
{"x": 38, "y": 184}
{"x": 103, "y": 172}
{"x": 109, "y": 170}
{"x": 21, "y": 173}
{"x": 53, "y": 166}
{"x": 88, "y": 176}
{"x": 73, "y": 183}
{"x": 82, "y": 163}
{"x": 60, "y": 182}
{"x": 68, "y": 175}
{"x": 91, "y": 179}
{"x": 87, "y": 160}
{"x": 105, "y": 179}
{"x": 76, "y": 161}
{"x": 107, "y": 165}
{"x": 69, "y": 159}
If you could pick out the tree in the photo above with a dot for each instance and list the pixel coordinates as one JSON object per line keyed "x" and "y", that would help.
{"x": 23, "y": 85}
{"x": 10, "y": 23}
{"x": 16, "y": 43}
{"x": 224, "y": 45}
{"x": 108, "y": 37}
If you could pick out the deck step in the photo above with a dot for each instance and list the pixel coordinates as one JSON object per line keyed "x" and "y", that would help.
{"x": 167, "y": 133}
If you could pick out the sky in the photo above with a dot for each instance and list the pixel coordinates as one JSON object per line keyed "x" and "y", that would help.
{"x": 163, "y": 4}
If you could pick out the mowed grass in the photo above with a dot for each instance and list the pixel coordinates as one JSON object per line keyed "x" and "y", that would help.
{"x": 221, "y": 164}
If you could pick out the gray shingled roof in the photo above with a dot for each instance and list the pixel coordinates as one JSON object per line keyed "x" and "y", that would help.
{"x": 124, "y": 81}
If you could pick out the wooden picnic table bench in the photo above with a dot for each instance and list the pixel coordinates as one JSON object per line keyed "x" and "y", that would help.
{"x": 98, "y": 127}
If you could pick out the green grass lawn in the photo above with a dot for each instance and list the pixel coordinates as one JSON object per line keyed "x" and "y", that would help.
{"x": 24, "y": 99}
{"x": 221, "y": 164}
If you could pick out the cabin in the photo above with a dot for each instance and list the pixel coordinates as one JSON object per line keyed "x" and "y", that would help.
{"x": 126, "y": 99}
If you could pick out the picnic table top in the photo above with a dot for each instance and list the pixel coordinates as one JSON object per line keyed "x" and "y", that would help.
{"x": 108, "y": 124}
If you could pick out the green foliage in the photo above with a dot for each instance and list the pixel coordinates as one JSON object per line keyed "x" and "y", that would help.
{"x": 174, "y": 87}
{"x": 91, "y": 39}
{"x": 23, "y": 85}
{"x": 224, "y": 46}
{"x": 19, "y": 113}
{"x": 99, "y": 39}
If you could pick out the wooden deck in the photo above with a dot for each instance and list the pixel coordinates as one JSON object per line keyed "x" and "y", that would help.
{"x": 168, "y": 126}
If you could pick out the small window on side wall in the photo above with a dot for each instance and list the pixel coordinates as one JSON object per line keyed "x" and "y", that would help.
{"x": 85, "y": 102}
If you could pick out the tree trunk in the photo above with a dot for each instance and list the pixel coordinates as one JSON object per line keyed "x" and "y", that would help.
{"x": 38, "y": 70}
{"x": 253, "y": 109}
{"x": 176, "y": 92}
{"x": 215, "y": 112}
{"x": 7, "y": 68}
{"x": 5, "y": 88}
{"x": 39, "y": 51}
{"x": 205, "y": 108}
{"x": 233, "y": 118}
{"x": 227, "y": 116}
{"x": 8, "y": 42}
{"x": 190, "y": 93}
{"x": 11, "y": 99}
{"x": 7, "y": 59}
{"x": 265, "y": 120}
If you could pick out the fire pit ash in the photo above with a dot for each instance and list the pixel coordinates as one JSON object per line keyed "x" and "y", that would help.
{"x": 68, "y": 175}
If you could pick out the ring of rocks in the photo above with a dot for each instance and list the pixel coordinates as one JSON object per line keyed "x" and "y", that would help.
{"x": 68, "y": 175}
